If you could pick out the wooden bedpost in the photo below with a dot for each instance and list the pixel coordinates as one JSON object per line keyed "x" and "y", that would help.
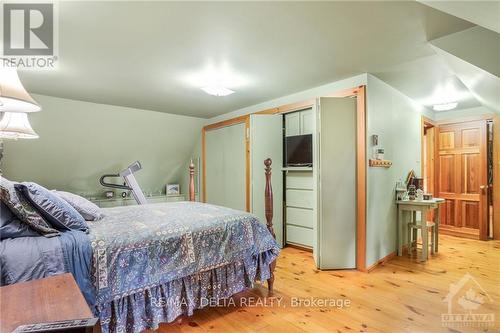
{"x": 191, "y": 182}
{"x": 268, "y": 197}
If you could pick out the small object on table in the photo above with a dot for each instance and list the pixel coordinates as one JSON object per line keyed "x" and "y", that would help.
{"x": 109, "y": 194}
{"x": 412, "y": 192}
{"x": 410, "y": 177}
{"x": 418, "y": 182}
{"x": 420, "y": 195}
{"x": 427, "y": 196}
{"x": 400, "y": 193}
{"x": 173, "y": 189}
{"x": 400, "y": 190}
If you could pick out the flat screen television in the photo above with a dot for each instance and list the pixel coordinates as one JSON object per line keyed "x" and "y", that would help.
{"x": 298, "y": 150}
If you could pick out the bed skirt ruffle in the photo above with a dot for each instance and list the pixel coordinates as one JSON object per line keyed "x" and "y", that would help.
{"x": 167, "y": 301}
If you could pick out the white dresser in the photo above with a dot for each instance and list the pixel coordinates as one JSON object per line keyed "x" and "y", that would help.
{"x": 299, "y": 206}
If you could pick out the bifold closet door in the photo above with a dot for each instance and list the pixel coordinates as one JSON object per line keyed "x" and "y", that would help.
{"x": 337, "y": 183}
{"x": 266, "y": 141}
{"x": 225, "y": 164}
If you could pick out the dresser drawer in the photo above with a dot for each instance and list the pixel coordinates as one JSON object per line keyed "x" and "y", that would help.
{"x": 299, "y": 235}
{"x": 299, "y": 180}
{"x": 300, "y": 198}
{"x": 299, "y": 217}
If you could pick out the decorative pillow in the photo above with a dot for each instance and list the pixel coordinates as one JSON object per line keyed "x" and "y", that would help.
{"x": 57, "y": 211}
{"x": 22, "y": 208}
{"x": 11, "y": 227}
{"x": 89, "y": 210}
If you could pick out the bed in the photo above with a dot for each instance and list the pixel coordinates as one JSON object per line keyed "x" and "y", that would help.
{"x": 143, "y": 265}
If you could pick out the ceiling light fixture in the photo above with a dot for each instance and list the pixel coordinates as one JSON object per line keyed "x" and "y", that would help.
{"x": 217, "y": 91}
{"x": 216, "y": 80}
{"x": 444, "y": 106}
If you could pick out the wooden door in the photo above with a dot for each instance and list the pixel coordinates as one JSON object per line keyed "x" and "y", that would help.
{"x": 461, "y": 178}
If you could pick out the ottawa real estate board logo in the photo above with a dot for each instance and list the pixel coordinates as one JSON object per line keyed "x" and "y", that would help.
{"x": 30, "y": 34}
{"x": 467, "y": 305}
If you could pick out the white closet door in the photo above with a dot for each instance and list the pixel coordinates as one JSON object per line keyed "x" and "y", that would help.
{"x": 337, "y": 183}
{"x": 266, "y": 141}
{"x": 226, "y": 166}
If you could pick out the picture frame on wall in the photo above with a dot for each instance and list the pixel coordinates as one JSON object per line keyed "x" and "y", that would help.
{"x": 173, "y": 189}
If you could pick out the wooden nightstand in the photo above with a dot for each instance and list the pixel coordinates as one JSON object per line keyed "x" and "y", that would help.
{"x": 55, "y": 298}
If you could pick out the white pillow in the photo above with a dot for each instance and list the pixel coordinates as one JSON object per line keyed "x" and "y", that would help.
{"x": 89, "y": 210}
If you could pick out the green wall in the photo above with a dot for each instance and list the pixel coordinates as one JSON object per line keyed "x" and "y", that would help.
{"x": 396, "y": 120}
{"x": 80, "y": 141}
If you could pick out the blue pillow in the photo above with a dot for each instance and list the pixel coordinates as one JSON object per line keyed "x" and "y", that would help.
{"x": 11, "y": 227}
{"x": 54, "y": 209}
{"x": 23, "y": 209}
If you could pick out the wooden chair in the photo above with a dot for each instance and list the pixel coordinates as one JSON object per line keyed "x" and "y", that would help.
{"x": 413, "y": 228}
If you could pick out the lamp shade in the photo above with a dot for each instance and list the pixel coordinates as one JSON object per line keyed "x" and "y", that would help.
{"x": 15, "y": 125}
{"x": 13, "y": 96}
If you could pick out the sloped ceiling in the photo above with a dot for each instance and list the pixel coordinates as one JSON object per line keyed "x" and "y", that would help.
{"x": 145, "y": 54}
{"x": 483, "y": 85}
{"x": 476, "y": 45}
{"x": 474, "y": 56}
{"x": 482, "y": 13}
{"x": 429, "y": 81}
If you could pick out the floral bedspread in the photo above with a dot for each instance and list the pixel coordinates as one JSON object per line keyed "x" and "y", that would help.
{"x": 136, "y": 248}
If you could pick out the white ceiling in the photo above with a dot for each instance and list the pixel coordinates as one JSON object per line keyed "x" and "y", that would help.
{"x": 429, "y": 80}
{"x": 147, "y": 54}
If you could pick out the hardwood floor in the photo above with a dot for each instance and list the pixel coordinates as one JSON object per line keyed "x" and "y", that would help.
{"x": 400, "y": 296}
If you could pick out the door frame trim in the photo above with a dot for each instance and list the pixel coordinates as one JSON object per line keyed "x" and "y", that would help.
{"x": 496, "y": 177}
{"x": 427, "y": 121}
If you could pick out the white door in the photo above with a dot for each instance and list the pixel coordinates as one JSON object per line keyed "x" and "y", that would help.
{"x": 337, "y": 183}
{"x": 266, "y": 141}
{"x": 226, "y": 166}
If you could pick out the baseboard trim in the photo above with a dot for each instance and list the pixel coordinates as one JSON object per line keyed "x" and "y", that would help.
{"x": 458, "y": 232}
{"x": 381, "y": 261}
{"x": 299, "y": 247}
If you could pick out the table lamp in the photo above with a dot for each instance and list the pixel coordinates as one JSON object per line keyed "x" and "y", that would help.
{"x": 15, "y": 104}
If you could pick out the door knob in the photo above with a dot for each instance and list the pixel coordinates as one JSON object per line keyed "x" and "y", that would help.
{"x": 483, "y": 188}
